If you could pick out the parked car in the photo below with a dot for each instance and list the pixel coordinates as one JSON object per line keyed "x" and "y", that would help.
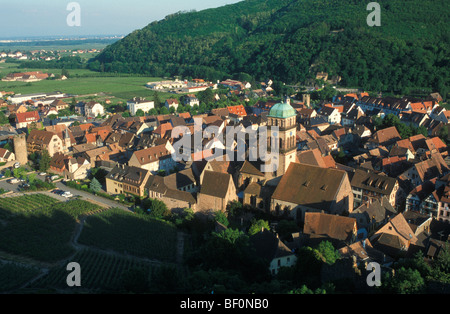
{"x": 51, "y": 178}
{"x": 14, "y": 181}
{"x": 17, "y": 165}
{"x": 67, "y": 194}
{"x": 42, "y": 173}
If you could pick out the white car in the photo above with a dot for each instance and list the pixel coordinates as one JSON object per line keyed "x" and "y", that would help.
{"x": 42, "y": 173}
{"x": 67, "y": 194}
{"x": 17, "y": 165}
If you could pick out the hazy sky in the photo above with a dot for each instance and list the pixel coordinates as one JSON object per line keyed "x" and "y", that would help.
{"x": 98, "y": 17}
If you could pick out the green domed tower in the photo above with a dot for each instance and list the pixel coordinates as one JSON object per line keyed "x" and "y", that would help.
{"x": 284, "y": 116}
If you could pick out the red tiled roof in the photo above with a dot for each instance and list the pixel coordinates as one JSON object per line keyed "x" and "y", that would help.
{"x": 91, "y": 137}
{"x": 30, "y": 116}
{"x": 237, "y": 110}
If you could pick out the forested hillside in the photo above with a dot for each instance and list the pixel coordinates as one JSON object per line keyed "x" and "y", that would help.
{"x": 290, "y": 41}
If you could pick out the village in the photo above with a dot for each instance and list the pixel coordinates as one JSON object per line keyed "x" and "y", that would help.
{"x": 370, "y": 174}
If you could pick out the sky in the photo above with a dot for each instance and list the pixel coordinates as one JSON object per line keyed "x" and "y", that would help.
{"x": 36, "y": 18}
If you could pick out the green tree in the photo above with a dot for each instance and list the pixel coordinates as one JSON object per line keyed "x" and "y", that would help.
{"x": 234, "y": 209}
{"x": 3, "y": 119}
{"x": 222, "y": 218}
{"x": 404, "y": 281}
{"x": 156, "y": 208}
{"x": 31, "y": 177}
{"x": 95, "y": 185}
{"x": 9, "y": 147}
{"x": 140, "y": 113}
{"x": 44, "y": 162}
{"x": 305, "y": 290}
{"x": 328, "y": 252}
{"x": 257, "y": 225}
{"x": 157, "y": 100}
{"x": 442, "y": 263}
{"x": 206, "y": 96}
{"x": 443, "y": 133}
{"x": 65, "y": 72}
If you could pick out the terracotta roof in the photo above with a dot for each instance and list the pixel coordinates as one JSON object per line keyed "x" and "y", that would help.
{"x": 152, "y": 154}
{"x": 386, "y": 135}
{"x": 309, "y": 185}
{"x": 185, "y": 115}
{"x": 30, "y": 116}
{"x": 435, "y": 143}
{"x": 398, "y": 226}
{"x": 311, "y": 157}
{"x": 211, "y": 119}
{"x": 364, "y": 251}
{"x": 158, "y": 184}
{"x": 91, "y": 137}
{"x": 406, "y": 143}
{"x": 249, "y": 168}
{"x": 432, "y": 167}
{"x": 370, "y": 181}
{"x": 237, "y": 110}
{"x": 172, "y": 101}
{"x": 333, "y": 226}
{"x": 128, "y": 174}
{"x": 40, "y": 137}
{"x": 216, "y": 183}
{"x": 163, "y": 129}
{"x": 374, "y": 211}
{"x": 253, "y": 189}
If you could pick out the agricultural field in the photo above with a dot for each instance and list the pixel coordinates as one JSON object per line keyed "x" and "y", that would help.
{"x": 13, "y": 275}
{"x": 38, "y": 227}
{"x": 11, "y": 206}
{"x": 129, "y": 233}
{"x": 100, "y": 272}
{"x": 84, "y": 82}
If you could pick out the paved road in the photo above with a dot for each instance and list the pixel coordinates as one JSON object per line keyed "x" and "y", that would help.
{"x": 89, "y": 196}
{"x": 84, "y": 195}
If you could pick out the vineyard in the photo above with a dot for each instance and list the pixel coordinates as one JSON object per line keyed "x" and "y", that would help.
{"x": 128, "y": 233}
{"x": 13, "y": 276}
{"x": 39, "y": 227}
{"x": 11, "y": 206}
{"x": 100, "y": 272}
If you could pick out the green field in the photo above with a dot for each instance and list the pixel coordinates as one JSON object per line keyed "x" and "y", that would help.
{"x": 129, "y": 233}
{"x": 83, "y": 82}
